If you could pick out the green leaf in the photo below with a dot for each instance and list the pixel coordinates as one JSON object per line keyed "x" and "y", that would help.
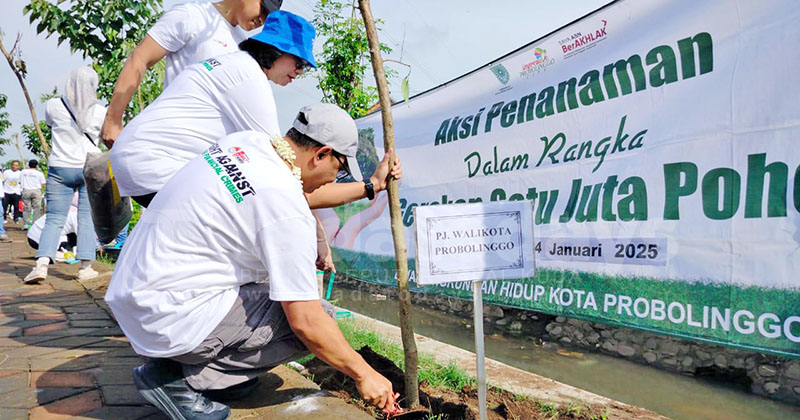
{"x": 404, "y": 88}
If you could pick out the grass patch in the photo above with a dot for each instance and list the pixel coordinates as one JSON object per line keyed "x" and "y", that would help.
{"x": 438, "y": 376}
{"x": 450, "y": 378}
{"x": 106, "y": 259}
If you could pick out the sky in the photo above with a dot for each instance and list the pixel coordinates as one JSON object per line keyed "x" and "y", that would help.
{"x": 440, "y": 40}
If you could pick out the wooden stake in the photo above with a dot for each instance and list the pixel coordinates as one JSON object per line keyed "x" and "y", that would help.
{"x": 400, "y": 252}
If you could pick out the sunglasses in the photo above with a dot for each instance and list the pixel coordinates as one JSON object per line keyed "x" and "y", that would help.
{"x": 299, "y": 63}
{"x": 344, "y": 168}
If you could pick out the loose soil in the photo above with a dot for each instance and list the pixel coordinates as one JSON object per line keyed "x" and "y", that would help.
{"x": 449, "y": 404}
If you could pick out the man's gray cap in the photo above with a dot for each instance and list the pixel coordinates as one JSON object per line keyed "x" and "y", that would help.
{"x": 331, "y": 126}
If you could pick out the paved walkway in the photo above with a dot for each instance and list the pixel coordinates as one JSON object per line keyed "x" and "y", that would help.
{"x": 62, "y": 356}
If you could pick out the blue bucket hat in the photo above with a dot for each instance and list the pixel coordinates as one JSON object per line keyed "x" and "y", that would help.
{"x": 289, "y": 33}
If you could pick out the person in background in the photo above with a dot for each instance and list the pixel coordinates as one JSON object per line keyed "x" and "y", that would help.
{"x": 75, "y": 120}
{"x": 68, "y": 238}
{"x": 12, "y": 190}
{"x": 185, "y": 35}
{"x": 32, "y": 183}
{"x": 3, "y": 236}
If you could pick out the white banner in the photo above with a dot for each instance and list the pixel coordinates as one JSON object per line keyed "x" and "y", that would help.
{"x": 657, "y": 140}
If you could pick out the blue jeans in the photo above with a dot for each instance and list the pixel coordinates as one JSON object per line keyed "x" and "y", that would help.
{"x": 61, "y": 185}
{"x": 2, "y": 229}
{"x": 123, "y": 236}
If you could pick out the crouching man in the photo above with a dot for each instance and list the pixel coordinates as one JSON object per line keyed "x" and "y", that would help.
{"x": 217, "y": 281}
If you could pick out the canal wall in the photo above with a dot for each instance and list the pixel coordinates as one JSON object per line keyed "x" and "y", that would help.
{"x": 770, "y": 376}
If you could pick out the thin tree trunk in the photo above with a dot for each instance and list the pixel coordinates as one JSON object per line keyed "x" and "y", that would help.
{"x": 45, "y": 147}
{"x": 401, "y": 254}
{"x": 19, "y": 149}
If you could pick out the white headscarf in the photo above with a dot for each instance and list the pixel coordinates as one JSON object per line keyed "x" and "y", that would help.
{"x": 81, "y": 94}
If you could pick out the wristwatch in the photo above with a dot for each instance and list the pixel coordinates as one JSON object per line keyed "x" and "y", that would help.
{"x": 370, "y": 189}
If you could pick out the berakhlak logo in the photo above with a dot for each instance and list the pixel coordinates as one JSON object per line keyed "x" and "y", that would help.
{"x": 501, "y": 73}
{"x": 239, "y": 154}
{"x": 579, "y": 41}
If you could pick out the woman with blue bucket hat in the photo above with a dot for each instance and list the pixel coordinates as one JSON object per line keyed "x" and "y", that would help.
{"x": 185, "y": 34}
{"x": 209, "y": 100}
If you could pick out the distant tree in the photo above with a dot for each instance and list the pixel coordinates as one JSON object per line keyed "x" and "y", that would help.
{"x": 106, "y": 32}
{"x": 32, "y": 141}
{"x": 5, "y": 123}
{"x": 345, "y": 59}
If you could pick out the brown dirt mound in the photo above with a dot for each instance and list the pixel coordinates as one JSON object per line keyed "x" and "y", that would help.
{"x": 448, "y": 404}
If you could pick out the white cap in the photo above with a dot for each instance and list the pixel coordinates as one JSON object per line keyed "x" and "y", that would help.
{"x": 331, "y": 126}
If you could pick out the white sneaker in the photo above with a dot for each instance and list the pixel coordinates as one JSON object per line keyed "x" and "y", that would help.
{"x": 60, "y": 256}
{"x": 4, "y": 238}
{"x": 38, "y": 274}
{"x": 87, "y": 273}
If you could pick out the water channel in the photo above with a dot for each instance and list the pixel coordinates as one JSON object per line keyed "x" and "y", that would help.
{"x": 672, "y": 395}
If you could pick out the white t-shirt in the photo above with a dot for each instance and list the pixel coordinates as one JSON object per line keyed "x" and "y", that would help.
{"x": 207, "y": 101}
{"x": 11, "y": 181}
{"x": 232, "y": 216}
{"x": 32, "y": 179}
{"x": 193, "y": 32}
{"x": 70, "y": 145}
{"x": 70, "y": 226}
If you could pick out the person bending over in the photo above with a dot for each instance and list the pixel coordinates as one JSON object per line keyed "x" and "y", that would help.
{"x": 213, "y": 318}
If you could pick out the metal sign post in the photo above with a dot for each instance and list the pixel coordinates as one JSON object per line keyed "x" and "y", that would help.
{"x": 474, "y": 242}
{"x": 477, "y": 315}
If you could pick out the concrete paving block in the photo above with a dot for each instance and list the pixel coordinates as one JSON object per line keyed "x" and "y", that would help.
{"x": 118, "y": 413}
{"x": 68, "y": 407}
{"x": 72, "y": 354}
{"x": 29, "y": 351}
{"x": 27, "y": 323}
{"x": 14, "y": 413}
{"x": 72, "y": 342}
{"x": 82, "y": 309}
{"x": 46, "y": 329}
{"x": 11, "y": 380}
{"x": 121, "y": 395}
{"x": 94, "y": 323}
{"x": 109, "y": 344}
{"x": 48, "y": 395}
{"x": 69, "y": 332}
{"x": 62, "y": 380}
{"x": 23, "y": 341}
{"x": 14, "y": 363}
{"x": 19, "y": 398}
{"x": 116, "y": 375}
{"x": 10, "y": 332}
{"x": 51, "y": 316}
{"x": 64, "y": 365}
{"x": 107, "y": 332}
{"x": 78, "y": 316}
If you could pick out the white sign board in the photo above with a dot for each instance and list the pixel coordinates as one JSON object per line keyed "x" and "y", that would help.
{"x": 479, "y": 241}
